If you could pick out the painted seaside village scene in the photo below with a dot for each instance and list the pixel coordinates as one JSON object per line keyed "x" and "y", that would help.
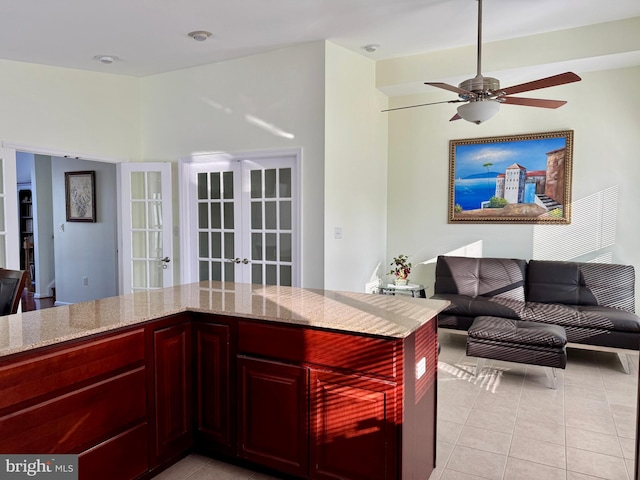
{"x": 523, "y": 180}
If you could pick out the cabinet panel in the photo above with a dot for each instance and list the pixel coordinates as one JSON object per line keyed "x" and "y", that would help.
{"x": 172, "y": 390}
{"x": 273, "y": 415}
{"x": 353, "y": 427}
{"x": 215, "y": 411}
{"x": 331, "y": 349}
{"x": 78, "y": 419}
{"x": 38, "y": 375}
{"x": 123, "y": 457}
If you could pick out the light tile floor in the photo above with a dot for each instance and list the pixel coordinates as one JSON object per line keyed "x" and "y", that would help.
{"x": 509, "y": 425}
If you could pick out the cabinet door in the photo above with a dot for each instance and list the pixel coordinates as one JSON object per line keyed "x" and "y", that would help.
{"x": 273, "y": 415}
{"x": 172, "y": 390}
{"x": 353, "y": 427}
{"x": 215, "y": 427}
{"x": 123, "y": 457}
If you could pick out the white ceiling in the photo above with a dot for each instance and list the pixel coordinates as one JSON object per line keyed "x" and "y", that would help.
{"x": 150, "y": 36}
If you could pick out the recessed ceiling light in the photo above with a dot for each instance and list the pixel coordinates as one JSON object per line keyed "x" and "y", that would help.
{"x": 106, "y": 59}
{"x": 200, "y": 35}
{"x": 370, "y": 48}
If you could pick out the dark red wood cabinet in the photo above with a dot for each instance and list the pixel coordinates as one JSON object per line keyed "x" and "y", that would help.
{"x": 87, "y": 397}
{"x": 273, "y": 414}
{"x": 353, "y": 426}
{"x": 214, "y": 383}
{"x": 309, "y": 403}
{"x": 171, "y": 387}
{"x": 331, "y": 405}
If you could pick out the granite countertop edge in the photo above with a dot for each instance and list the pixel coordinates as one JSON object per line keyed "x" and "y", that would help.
{"x": 348, "y": 312}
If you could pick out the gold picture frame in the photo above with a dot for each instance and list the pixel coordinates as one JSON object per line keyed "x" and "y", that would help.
{"x": 511, "y": 179}
{"x": 80, "y": 194}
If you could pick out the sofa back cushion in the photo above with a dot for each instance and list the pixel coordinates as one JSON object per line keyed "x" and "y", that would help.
{"x": 587, "y": 284}
{"x": 486, "y": 277}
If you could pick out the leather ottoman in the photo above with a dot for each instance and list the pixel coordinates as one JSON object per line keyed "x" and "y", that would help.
{"x": 519, "y": 341}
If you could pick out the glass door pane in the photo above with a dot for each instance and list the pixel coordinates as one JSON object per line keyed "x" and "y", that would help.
{"x": 216, "y": 223}
{"x": 242, "y": 219}
{"x": 270, "y": 224}
{"x": 146, "y": 226}
{"x": 146, "y": 233}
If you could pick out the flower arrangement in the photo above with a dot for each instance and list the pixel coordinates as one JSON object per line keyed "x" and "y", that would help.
{"x": 401, "y": 267}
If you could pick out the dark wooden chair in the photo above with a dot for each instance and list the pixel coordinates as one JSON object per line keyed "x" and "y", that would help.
{"x": 12, "y": 284}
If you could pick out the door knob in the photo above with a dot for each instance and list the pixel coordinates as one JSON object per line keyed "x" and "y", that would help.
{"x": 245, "y": 260}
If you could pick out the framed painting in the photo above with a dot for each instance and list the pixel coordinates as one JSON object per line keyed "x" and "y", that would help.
{"x": 511, "y": 179}
{"x": 80, "y": 193}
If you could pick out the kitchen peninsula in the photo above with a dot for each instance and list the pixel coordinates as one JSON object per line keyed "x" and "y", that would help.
{"x": 310, "y": 383}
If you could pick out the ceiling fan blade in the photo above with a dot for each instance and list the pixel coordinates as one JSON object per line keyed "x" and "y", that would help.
{"x": 422, "y": 105}
{"x": 451, "y": 88}
{"x": 455, "y": 117}
{"x": 561, "y": 79}
{"x": 533, "y": 102}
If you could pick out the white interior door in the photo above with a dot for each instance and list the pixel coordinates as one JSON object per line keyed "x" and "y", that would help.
{"x": 243, "y": 223}
{"x": 146, "y": 226}
{"x": 9, "y": 228}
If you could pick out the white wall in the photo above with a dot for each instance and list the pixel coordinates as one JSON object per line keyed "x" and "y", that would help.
{"x": 297, "y": 97}
{"x": 355, "y": 171}
{"x": 85, "y": 249}
{"x": 70, "y": 110}
{"x": 269, "y": 101}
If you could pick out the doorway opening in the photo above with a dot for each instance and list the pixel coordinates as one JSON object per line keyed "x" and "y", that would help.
{"x": 67, "y": 262}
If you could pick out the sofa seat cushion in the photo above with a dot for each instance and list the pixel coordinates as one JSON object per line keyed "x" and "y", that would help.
{"x": 517, "y": 332}
{"x": 596, "y": 317}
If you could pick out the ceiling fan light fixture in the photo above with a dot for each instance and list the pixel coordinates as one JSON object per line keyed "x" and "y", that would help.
{"x": 479, "y": 111}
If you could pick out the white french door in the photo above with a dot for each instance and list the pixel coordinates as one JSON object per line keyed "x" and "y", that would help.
{"x": 9, "y": 238}
{"x": 243, "y": 221}
{"x": 146, "y": 226}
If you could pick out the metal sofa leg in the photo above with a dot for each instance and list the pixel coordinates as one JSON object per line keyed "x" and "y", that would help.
{"x": 551, "y": 375}
{"x": 624, "y": 360}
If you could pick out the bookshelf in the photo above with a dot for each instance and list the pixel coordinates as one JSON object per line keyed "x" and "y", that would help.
{"x": 27, "y": 261}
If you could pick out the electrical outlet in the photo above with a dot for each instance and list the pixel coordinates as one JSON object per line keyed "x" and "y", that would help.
{"x": 85, "y": 281}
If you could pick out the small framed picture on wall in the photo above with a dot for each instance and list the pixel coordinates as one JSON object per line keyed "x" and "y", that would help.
{"x": 80, "y": 193}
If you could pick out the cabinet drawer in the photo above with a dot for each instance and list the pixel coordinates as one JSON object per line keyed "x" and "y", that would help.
{"x": 41, "y": 374}
{"x": 337, "y": 350}
{"x": 123, "y": 456}
{"x": 77, "y": 419}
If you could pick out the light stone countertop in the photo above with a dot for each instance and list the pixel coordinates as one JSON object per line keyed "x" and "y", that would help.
{"x": 360, "y": 313}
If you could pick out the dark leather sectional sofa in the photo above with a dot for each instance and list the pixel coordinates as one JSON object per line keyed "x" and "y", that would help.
{"x": 594, "y": 302}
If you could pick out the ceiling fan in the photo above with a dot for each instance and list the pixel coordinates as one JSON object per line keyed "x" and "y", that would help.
{"x": 482, "y": 96}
